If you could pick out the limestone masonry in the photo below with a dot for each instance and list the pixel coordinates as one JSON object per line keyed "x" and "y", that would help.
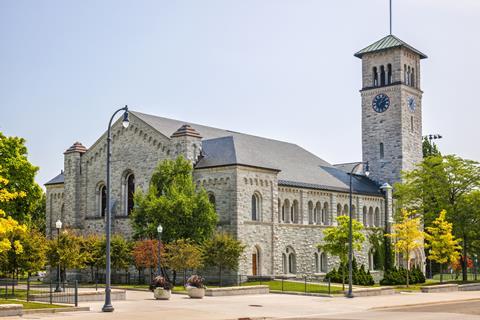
{"x": 275, "y": 197}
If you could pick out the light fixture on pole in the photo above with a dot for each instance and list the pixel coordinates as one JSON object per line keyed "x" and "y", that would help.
{"x": 350, "y": 231}
{"x": 58, "y": 226}
{"x": 159, "y": 231}
{"x": 107, "y": 307}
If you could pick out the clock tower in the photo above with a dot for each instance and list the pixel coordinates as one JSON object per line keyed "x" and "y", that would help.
{"x": 391, "y": 108}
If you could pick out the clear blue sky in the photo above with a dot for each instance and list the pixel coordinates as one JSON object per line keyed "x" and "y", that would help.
{"x": 283, "y": 69}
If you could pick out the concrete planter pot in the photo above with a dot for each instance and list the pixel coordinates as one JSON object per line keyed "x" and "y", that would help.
{"x": 161, "y": 294}
{"x": 196, "y": 293}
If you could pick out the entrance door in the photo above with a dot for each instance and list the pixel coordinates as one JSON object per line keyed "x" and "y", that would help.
{"x": 254, "y": 264}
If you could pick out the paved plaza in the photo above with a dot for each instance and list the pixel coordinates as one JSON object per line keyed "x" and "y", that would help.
{"x": 141, "y": 305}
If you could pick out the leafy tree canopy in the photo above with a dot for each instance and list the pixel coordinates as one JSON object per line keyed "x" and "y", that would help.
{"x": 222, "y": 251}
{"x": 173, "y": 200}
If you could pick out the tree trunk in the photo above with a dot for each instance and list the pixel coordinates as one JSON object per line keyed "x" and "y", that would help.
{"x": 408, "y": 269}
{"x": 343, "y": 277}
{"x": 174, "y": 275}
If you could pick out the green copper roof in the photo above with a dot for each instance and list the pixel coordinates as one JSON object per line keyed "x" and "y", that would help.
{"x": 388, "y": 42}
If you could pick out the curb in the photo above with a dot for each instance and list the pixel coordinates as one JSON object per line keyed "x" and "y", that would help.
{"x": 55, "y": 310}
{"x": 424, "y": 304}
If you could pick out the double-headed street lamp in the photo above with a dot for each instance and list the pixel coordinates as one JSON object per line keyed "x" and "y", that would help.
{"x": 58, "y": 226}
{"x": 107, "y": 307}
{"x": 159, "y": 230}
{"x": 350, "y": 233}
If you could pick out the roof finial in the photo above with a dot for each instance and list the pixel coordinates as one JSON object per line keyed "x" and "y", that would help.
{"x": 390, "y": 17}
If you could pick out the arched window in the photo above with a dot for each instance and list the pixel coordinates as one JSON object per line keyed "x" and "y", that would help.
{"x": 382, "y": 151}
{"x": 285, "y": 211}
{"x": 103, "y": 200}
{"x": 382, "y": 75}
{"x": 292, "y": 261}
{"x": 129, "y": 191}
{"x": 280, "y": 207}
{"x": 316, "y": 259}
{"x": 408, "y": 75}
{"x": 294, "y": 212}
{"x": 346, "y": 211}
{"x": 284, "y": 263}
{"x": 375, "y": 77}
{"x": 325, "y": 214}
{"x": 405, "y": 73}
{"x": 412, "y": 76}
{"x": 211, "y": 198}
{"x": 323, "y": 262}
{"x": 370, "y": 217}
{"x": 354, "y": 213}
{"x": 365, "y": 216}
{"x": 389, "y": 74}
{"x": 318, "y": 213}
{"x": 311, "y": 217}
{"x": 339, "y": 210}
{"x": 377, "y": 217}
{"x": 256, "y": 207}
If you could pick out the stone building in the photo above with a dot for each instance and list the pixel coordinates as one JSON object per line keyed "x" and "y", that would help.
{"x": 274, "y": 196}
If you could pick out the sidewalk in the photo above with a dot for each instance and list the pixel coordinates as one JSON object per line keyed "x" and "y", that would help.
{"x": 141, "y": 305}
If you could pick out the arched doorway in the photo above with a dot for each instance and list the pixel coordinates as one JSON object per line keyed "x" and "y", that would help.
{"x": 256, "y": 261}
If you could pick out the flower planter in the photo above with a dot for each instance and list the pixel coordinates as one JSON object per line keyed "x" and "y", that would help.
{"x": 196, "y": 293}
{"x": 161, "y": 294}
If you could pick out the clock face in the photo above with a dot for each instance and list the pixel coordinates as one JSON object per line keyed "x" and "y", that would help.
{"x": 381, "y": 102}
{"x": 412, "y": 104}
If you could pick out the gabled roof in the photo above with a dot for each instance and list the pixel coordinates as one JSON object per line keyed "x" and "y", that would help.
{"x": 388, "y": 42}
{"x": 294, "y": 164}
{"x": 60, "y": 179}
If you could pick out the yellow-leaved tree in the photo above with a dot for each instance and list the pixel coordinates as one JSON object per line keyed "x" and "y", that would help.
{"x": 407, "y": 236}
{"x": 444, "y": 248}
{"x": 10, "y": 230}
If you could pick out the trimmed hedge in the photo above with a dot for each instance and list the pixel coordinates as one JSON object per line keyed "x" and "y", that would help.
{"x": 360, "y": 276}
{"x": 399, "y": 276}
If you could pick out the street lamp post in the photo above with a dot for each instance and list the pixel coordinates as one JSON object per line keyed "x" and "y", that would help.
{"x": 58, "y": 226}
{"x": 350, "y": 233}
{"x": 107, "y": 307}
{"x": 159, "y": 230}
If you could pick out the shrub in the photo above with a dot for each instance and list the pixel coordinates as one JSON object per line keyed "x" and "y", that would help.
{"x": 195, "y": 281}
{"x": 398, "y": 276}
{"x": 160, "y": 282}
{"x": 360, "y": 276}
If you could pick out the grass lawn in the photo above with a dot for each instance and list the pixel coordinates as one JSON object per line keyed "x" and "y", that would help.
{"x": 30, "y": 305}
{"x": 293, "y": 286}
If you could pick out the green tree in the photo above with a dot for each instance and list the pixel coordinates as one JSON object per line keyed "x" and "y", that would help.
{"x": 336, "y": 240}
{"x": 442, "y": 245}
{"x": 173, "y": 200}
{"x": 66, "y": 250}
{"x": 183, "y": 254}
{"x": 223, "y": 252}
{"x": 429, "y": 148}
{"x": 443, "y": 183}
{"x": 407, "y": 236}
{"x": 15, "y": 167}
{"x": 34, "y": 256}
{"x": 91, "y": 248}
{"x": 120, "y": 252}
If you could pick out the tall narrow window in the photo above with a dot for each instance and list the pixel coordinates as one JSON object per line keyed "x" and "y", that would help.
{"x": 130, "y": 190}
{"x": 389, "y": 74}
{"x": 382, "y": 75}
{"x": 255, "y": 207}
{"x": 408, "y": 75}
{"x": 325, "y": 213}
{"x": 375, "y": 77}
{"x": 318, "y": 213}
{"x": 364, "y": 216}
{"x": 310, "y": 213}
{"x": 316, "y": 260}
{"x": 405, "y": 73}
{"x": 211, "y": 199}
{"x": 411, "y": 124}
{"x": 382, "y": 152}
{"x": 323, "y": 262}
{"x": 294, "y": 212}
{"x": 412, "y": 76}
{"x": 103, "y": 200}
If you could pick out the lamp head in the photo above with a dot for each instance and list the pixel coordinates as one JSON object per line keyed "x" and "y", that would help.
{"x": 125, "y": 121}
{"x": 58, "y": 224}
{"x": 367, "y": 169}
{"x": 159, "y": 228}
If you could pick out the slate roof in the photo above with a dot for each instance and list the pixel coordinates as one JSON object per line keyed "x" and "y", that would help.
{"x": 295, "y": 165}
{"x": 388, "y": 42}
{"x": 57, "y": 180}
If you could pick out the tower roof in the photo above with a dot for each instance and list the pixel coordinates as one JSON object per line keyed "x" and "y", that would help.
{"x": 385, "y": 43}
{"x": 186, "y": 130}
{"x": 76, "y": 147}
